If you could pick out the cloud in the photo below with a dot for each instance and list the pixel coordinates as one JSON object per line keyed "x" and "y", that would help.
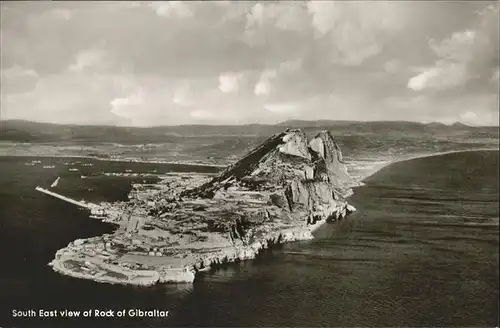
{"x": 282, "y": 108}
{"x": 468, "y": 117}
{"x": 268, "y": 78}
{"x": 202, "y": 114}
{"x": 62, "y": 13}
{"x": 246, "y": 62}
{"x": 255, "y": 16}
{"x": 451, "y": 70}
{"x": 147, "y": 106}
{"x": 264, "y": 86}
{"x": 476, "y": 109}
{"x": 291, "y": 65}
{"x": 17, "y": 79}
{"x": 17, "y": 71}
{"x": 392, "y": 66}
{"x": 356, "y": 30}
{"x": 465, "y": 55}
{"x": 287, "y": 16}
{"x": 121, "y": 106}
{"x": 230, "y": 82}
{"x": 132, "y": 108}
{"x": 481, "y": 119}
{"x": 496, "y": 74}
{"x": 444, "y": 75}
{"x": 456, "y": 47}
{"x": 171, "y": 8}
{"x": 87, "y": 59}
{"x": 183, "y": 95}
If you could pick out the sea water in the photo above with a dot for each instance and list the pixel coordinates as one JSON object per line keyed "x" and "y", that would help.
{"x": 422, "y": 250}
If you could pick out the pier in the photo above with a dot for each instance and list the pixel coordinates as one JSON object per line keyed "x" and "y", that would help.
{"x": 67, "y": 199}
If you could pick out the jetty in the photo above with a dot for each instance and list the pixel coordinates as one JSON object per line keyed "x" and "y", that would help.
{"x": 67, "y": 199}
{"x": 54, "y": 184}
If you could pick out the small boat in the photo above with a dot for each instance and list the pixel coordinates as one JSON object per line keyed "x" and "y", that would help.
{"x": 29, "y": 164}
{"x": 54, "y": 184}
{"x": 83, "y": 177}
{"x": 73, "y": 170}
{"x": 48, "y": 166}
{"x": 128, "y": 170}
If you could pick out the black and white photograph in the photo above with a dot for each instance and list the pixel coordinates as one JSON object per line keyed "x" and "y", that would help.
{"x": 249, "y": 164}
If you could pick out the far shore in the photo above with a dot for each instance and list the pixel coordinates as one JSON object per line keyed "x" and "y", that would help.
{"x": 412, "y": 157}
{"x": 408, "y": 157}
{"x": 361, "y": 180}
{"x": 125, "y": 160}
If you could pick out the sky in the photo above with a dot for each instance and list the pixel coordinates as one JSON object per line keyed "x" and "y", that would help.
{"x": 227, "y": 62}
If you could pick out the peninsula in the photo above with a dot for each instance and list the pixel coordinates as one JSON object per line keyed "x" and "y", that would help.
{"x": 281, "y": 191}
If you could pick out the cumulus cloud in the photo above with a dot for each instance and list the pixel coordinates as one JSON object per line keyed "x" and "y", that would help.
{"x": 496, "y": 74}
{"x": 171, "y": 8}
{"x": 291, "y": 65}
{"x": 17, "y": 79}
{"x": 202, "y": 114}
{"x": 17, "y": 71}
{"x": 244, "y": 62}
{"x": 125, "y": 106}
{"x": 455, "y": 47}
{"x": 282, "y": 108}
{"x": 451, "y": 70}
{"x": 287, "y": 16}
{"x": 183, "y": 95}
{"x": 468, "y": 117}
{"x": 230, "y": 82}
{"x": 264, "y": 85}
{"x": 356, "y": 30}
{"x": 62, "y": 13}
{"x": 475, "y": 109}
{"x": 87, "y": 59}
{"x": 466, "y": 54}
{"x": 444, "y": 75}
{"x": 391, "y": 66}
{"x": 255, "y": 16}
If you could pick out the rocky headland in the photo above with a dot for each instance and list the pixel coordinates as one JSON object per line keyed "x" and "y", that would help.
{"x": 279, "y": 192}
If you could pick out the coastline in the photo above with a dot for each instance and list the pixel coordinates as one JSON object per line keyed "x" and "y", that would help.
{"x": 185, "y": 270}
{"x": 124, "y": 160}
{"x": 281, "y": 191}
{"x": 188, "y": 272}
{"x": 412, "y": 157}
{"x": 184, "y": 206}
{"x": 205, "y": 164}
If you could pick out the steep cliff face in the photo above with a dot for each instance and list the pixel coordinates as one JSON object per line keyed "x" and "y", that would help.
{"x": 307, "y": 180}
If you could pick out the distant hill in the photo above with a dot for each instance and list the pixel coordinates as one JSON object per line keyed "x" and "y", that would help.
{"x": 318, "y": 123}
{"x": 35, "y": 132}
{"x": 460, "y": 125}
{"x": 435, "y": 125}
{"x": 387, "y": 126}
{"x": 26, "y": 131}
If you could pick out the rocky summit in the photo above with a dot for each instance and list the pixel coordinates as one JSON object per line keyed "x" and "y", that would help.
{"x": 280, "y": 191}
{"x": 306, "y": 179}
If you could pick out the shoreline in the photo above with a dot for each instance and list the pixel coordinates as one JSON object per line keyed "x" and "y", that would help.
{"x": 124, "y": 160}
{"x": 413, "y": 157}
{"x": 120, "y": 160}
{"x": 189, "y": 271}
{"x": 185, "y": 271}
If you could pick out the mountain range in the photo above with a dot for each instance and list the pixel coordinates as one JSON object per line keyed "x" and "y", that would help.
{"x": 35, "y": 132}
